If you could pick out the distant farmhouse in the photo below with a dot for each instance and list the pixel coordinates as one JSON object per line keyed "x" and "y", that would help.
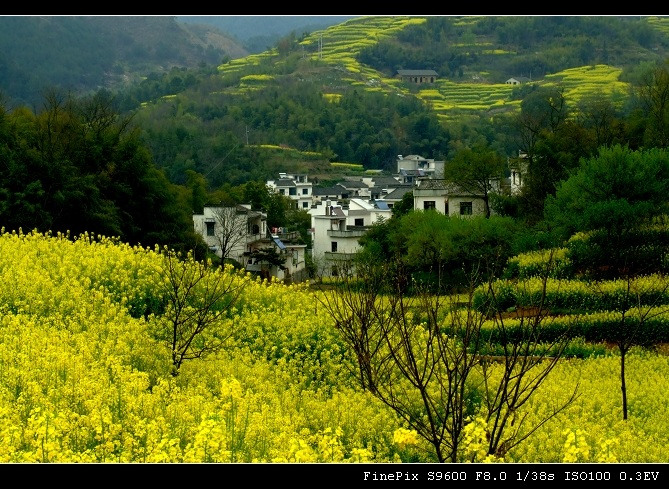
{"x": 518, "y": 80}
{"x": 446, "y": 197}
{"x": 417, "y": 76}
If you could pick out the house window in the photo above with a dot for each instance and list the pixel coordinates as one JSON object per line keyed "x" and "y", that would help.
{"x": 333, "y": 245}
{"x": 282, "y": 191}
{"x": 255, "y": 229}
{"x": 359, "y": 222}
{"x": 292, "y": 191}
{"x": 429, "y": 204}
{"x": 465, "y": 208}
{"x": 305, "y": 204}
{"x": 305, "y": 191}
{"x": 210, "y": 228}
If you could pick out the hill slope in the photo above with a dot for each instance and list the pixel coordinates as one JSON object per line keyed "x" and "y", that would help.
{"x": 84, "y": 53}
{"x": 334, "y": 92}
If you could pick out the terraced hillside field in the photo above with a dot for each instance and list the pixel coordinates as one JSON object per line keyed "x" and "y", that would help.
{"x": 338, "y": 47}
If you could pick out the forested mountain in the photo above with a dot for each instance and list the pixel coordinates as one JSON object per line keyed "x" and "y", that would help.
{"x": 329, "y": 96}
{"x": 334, "y": 91}
{"x": 86, "y": 53}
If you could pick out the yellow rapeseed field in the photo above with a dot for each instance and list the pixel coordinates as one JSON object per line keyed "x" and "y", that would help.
{"x": 84, "y": 379}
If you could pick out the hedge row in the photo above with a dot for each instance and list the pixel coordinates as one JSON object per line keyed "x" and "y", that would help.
{"x": 572, "y": 295}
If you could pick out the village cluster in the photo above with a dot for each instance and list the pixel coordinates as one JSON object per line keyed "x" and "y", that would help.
{"x": 340, "y": 215}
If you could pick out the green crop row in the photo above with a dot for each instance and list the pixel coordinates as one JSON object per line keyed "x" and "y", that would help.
{"x": 573, "y": 295}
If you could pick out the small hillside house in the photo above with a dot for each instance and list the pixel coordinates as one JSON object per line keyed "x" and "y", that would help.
{"x": 420, "y": 166}
{"x": 517, "y": 80}
{"x": 417, "y": 76}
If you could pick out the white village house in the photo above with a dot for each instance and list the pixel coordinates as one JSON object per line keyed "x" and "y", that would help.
{"x": 336, "y": 229}
{"x": 417, "y": 165}
{"x": 447, "y": 198}
{"x": 243, "y": 235}
{"x": 296, "y": 186}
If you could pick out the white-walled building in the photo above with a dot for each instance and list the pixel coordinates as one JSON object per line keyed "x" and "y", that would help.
{"x": 242, "y": 234}
{"x": 517, "y": 172}
{"x": 337, "y": 229}
{"x": 447, "y": 198}
{"x": 417, "y": 165}
{"x": 296, "y": 186}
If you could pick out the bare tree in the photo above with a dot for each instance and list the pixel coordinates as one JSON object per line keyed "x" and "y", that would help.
{"x": 199, "y": 303}
{"x": 637, "y": 308}
{"x": 428, "y": 358}
{"x": 355, "y": 308}
{"x": 230, "y": 230}
{"x": 526, "y": 358}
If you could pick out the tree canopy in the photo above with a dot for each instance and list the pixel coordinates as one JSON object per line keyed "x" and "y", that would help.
{"x": 615, "y": 197}
{"x": 79, "y": 166}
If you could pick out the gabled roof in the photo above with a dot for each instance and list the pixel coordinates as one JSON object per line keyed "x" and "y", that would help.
{"x": 448, "y": 188}
{"x": 412, "y": 157}
{"x": 398, "y": 192}
{"x": 417, "y": 73}
{"x": 384, "y": 181}
{"x": 522, "y": 79}
{"x": 327, "y": 191}
{"x": 417, "y": 173}
{"x": 353, "y": 184}
{"x": 435, "y": 184}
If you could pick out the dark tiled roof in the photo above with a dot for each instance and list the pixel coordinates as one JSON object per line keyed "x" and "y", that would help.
{"x": 353, "y": 184}
{"x": 327, "y": 191}
{"x": 417, "y": 72}
{"x": 434, "y": 184}
{"x": 417, "y": 173}
{"x": 384, "y": 181}
{"x": 398, "y": 192}
{"x": 449, "y": 188}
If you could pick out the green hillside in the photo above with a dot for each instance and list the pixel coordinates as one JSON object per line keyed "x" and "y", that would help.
{"x": 85, "y": 53}
{"x": 475, "y": 90}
